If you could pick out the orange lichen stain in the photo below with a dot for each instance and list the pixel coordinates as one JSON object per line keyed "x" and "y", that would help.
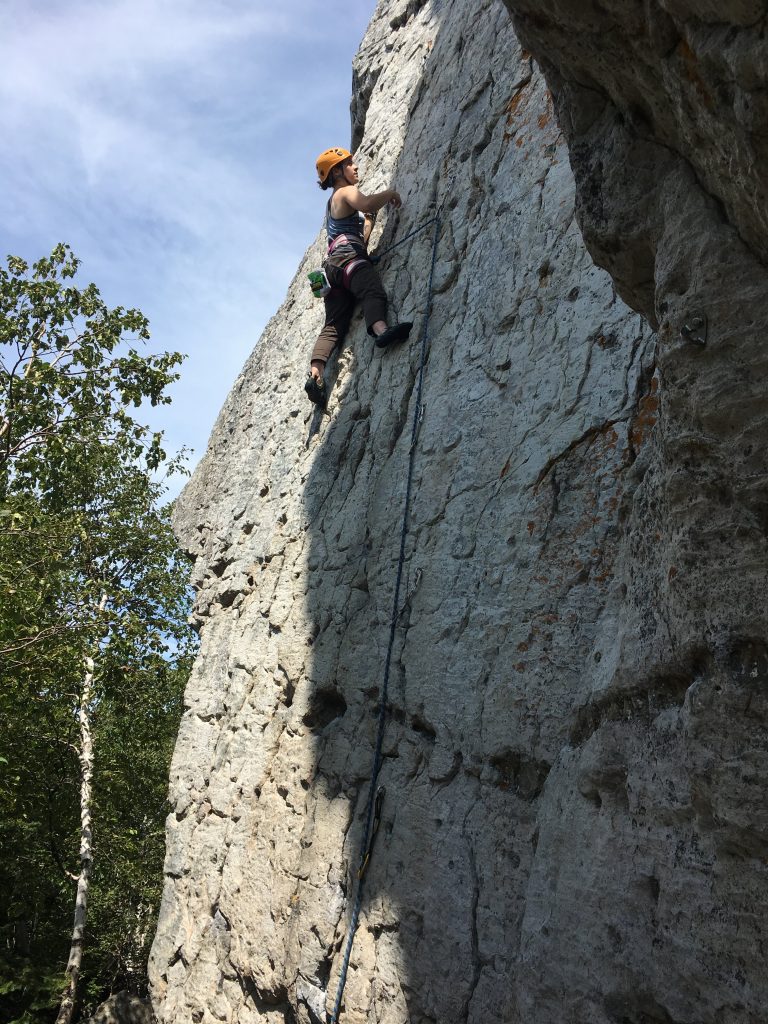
{"x": 647, "y": 415}
{"x": 602, "y": 442}
{"x": 525, "y": 55}
{"x": 586, "y": 525}
{"x": 522, "y": 647}
{"x": 520, "y": 666}
{"x": 515, "y": 121}
{"x": 519, "y": 141}
{"x": 513, "y": 104}
{"x": 672, "y": 572}
{"x": 686, "y": 52}
{"x": 505, "y": 468}
{"x": 531, "y": 527}
{"x": 690, "y": 61}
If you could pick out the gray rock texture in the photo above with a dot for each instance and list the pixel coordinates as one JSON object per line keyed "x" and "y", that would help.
{"x": 123, "y": 1008}
{"x": 663, "y": 106}
{"x": 576, "y": 754}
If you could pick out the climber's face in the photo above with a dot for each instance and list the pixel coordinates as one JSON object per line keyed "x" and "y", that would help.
{"x": 350, "y": 171}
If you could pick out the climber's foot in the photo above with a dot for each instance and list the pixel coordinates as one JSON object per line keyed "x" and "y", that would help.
{"x": 316, "y": 390}
{"x": 393, "y": 334}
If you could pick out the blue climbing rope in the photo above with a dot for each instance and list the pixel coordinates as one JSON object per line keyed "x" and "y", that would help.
{"x": 375, "y": 793}
{"x": 401, "y": 241}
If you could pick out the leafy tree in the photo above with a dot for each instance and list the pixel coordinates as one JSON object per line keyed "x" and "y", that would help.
{"x": 67, "y": 379}
{"x": 94, "y": 646}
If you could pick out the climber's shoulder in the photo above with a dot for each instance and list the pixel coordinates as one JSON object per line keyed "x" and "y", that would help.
{"x": 346, "y": 201}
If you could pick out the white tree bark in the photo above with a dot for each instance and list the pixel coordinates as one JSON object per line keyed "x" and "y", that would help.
{"x": 86, "y": 842}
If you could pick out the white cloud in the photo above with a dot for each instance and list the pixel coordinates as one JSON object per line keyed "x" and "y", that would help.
{"x": 79, "y": 44}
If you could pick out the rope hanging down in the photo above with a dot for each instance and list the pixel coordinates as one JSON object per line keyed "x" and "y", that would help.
{"x": 376, "y": 792}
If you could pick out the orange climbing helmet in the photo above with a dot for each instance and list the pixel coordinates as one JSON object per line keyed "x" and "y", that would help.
{"x": 328, "y": 160}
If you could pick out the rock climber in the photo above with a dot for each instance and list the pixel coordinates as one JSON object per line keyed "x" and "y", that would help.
{"x": 348, "y": 267}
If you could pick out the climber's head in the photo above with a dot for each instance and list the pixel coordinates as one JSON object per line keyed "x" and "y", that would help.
{"x": 336, "y": 164}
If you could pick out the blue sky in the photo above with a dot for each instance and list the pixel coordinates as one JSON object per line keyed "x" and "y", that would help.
{"x": 171, "y": 143}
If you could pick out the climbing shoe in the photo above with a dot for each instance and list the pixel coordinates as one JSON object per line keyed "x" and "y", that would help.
{"x": 392, "y": 334}
{"x": 316, "y": 390}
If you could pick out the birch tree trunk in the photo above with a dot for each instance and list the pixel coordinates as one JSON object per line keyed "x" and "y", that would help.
{"x": 86, "y": 842}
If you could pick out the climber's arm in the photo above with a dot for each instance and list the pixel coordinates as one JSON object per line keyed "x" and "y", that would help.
{"x": 357, "y": 200}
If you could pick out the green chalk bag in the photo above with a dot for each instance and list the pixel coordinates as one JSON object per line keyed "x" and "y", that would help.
{"x": 318, "y": 282}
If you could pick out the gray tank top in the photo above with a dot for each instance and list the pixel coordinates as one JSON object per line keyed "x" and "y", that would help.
{"x": 335, "y": 226}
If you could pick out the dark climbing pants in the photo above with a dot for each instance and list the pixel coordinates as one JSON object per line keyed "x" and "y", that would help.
{"x": 364, "y": 286}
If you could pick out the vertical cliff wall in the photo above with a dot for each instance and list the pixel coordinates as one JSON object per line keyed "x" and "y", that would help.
{"x": 663, "y": 105}
{"x": 574, "y": 827}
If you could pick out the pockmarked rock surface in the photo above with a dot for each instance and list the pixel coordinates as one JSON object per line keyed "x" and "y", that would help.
{"x": 574, "y": 827}
{"x": 123, "y": 1008}
{"x": 663, "y": 108}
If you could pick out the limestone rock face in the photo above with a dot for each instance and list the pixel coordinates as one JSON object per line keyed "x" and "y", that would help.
{"x": 663, "y": 106}
{"x": 123, "y": 1008}
{"x": 574, "y": 826}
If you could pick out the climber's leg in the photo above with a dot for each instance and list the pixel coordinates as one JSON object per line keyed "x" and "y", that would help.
{"x": 339, "y": 304}
{"x": 366, "y": 286}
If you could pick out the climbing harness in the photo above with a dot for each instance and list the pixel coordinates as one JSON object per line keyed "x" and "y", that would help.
{"x": 351, "y": 259}
{"x": 345, "y": 254}
{"x": 376, "y": 792}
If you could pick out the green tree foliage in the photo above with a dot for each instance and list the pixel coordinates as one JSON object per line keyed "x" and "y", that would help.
{"x": 88, "y": 569}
